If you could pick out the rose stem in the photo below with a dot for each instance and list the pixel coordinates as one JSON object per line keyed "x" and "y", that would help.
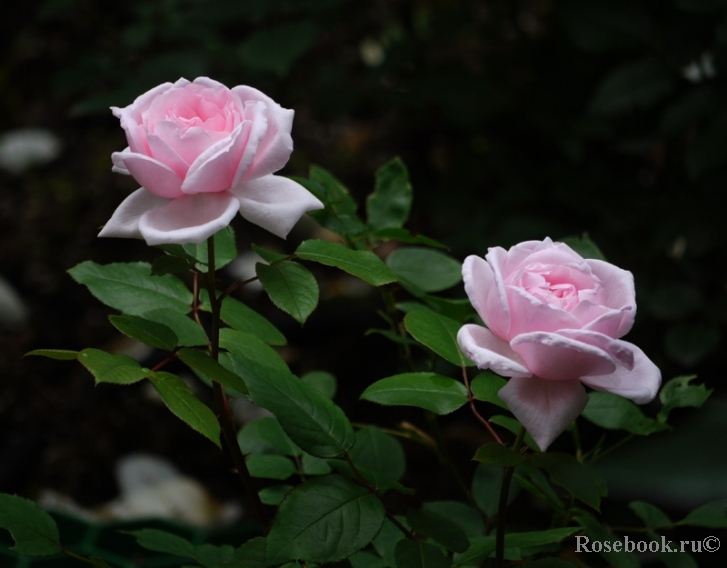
{"x": 223, "y": 407}
{"x": 504, "y": 491}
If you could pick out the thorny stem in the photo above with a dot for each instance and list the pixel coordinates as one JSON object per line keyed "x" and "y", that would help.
{"x": 502, "y": 505}
{"x": 479, "y": 417}
{"x": 227, "y": 423}
{"x": 362, "y": 480}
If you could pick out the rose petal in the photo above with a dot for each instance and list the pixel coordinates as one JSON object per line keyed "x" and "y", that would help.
{"x": 640, "y": 383}
{"x": 255, "y": 113}
{"x": 154, "y": 176}
{"x": 620, "y": 351}
{"x": 619, "y": 293}
{"x": 188, "y": 219}
{"x": 277, "y": 145}
{"x": 214, "y": 169}
{"x": 117, "y": 158}
{"x": 479, "y": 284}
{"x": 544, "y": 408}
{"x": 164, "y": 153}
{"x": 532, "y": 314}
{"x": 497, "y": 310}
{"x": 490, "y": 352}
{"x": 555, "y": 357}
{"x": 130, "y": 117}
{"x": 124, "y": 223}
{"x": 275, "y": 203}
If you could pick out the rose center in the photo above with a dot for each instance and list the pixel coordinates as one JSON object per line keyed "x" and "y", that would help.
{"x": 561, "y": 286}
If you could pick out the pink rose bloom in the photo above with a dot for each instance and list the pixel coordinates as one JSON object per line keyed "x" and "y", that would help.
{"x": 553, "y": 322}
{"x": 203, "y": 152}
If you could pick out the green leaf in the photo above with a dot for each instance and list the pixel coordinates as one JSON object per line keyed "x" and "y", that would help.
{"x": 107, "y": 368}
{"x": 266, "y": 436}
{"x": 225, "y": 249}
{"x": 678, "y": 393}
{"x": 404, "y": 236}
{"x": 180, "y": 399}
{"x": 418, "y": 554}
{"x": 438, "y": 528}
{"x": 246, "y": 347}
{"x": 584, "y": 246}
{"x": 161, "y": 541}
{"x": 633, "y": 85}
{"x": 340, "y": 214}
{"x": 595, "y": 531}
{"x": 653, "y": 517}
{"x": 34, "y": 531}
{"x": 313, "y": 422}
{"x": 276, "y": 48}
{"x": 291, "y": 287}
{"x": 464, "y": 516}
{"x": 669, "y": 559}
{"x": 501, "y": 456}
{"x": 268, "y": 255}
{"x": 486, "y": 488}
{"x": 380, "y": 483}
{"x": 189, "y": 333}
{"x": 322, "y": 381}
{"x": 578, "y": 479}
{"x": 312, "y": 465}
{"x": 460, "y": 310}
{"x": 437, "y": 332}
{"x": 535, "y": 482}
{"x": 617, "y": 413}
{"x": 201, "y": 362}
{"x": 274, "y": 494}
{"x": 483, "y": 547}
{"x": 249, "y": 555}
{"x": 360, "y": 263}
{"x": 150, "y": 332}
{"x": 430, "y": 391}
{"x": 58, "y": 354}
{"x": 169, "y": 264}
{"x": 427, "y": 269}
{"x": 389, "y": 205}
{"x": 712, "y": 515}
{"x": 270, "y": 467}
{"x": 242, "y": 318}
{"x": 378, "y": 452}
{"x": 366, "y": 559}
{"x": 131, "y": 289}
{"x": 325, "y": 520}
{"x": 485, "y": 387}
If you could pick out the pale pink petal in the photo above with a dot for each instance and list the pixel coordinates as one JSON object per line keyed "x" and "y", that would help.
{"x": 124, "y": 223}
{"x": 275, "y": 203}
{"x": 209, "y": 83}
{"x": 513, "y": 257}
{"x": 544, "y": 408}
{"x": 164, "y": 153}
{"x": 640, "y": 383}
{"x": 130, "y": 117}
{"x": 154, "y": 176}
{"x": 188, "y": 143}
{"x": 533, "y": 314}
{"x": 256, "y": 115}
{"x": 117, "y": 158}
{"x": 479, "y": 284}
{"x": 214, "y": 169}
{"x": 612, "y": 322}
{"x": 277, "y": 145}
{"x": 555, "y": 357}
{"x": 188, "y": 219}
{"x": 621, "y": 351}
{"x": 490, "y": 352}
{"x": 497, "y": 310}
{"x": 619, "y": 292}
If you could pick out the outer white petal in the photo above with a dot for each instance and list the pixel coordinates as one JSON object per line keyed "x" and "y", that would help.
{"x": 490, "y": 352}
{"x": 640, "y": 383}
{"x": 274, "y": 203}
{"x": 188, "y": 219}
{"x": 124, "y": 223}
{"x": 154, "y": 176}
{"x": 545, "y": 408}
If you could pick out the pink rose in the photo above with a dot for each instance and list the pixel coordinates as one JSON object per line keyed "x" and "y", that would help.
{"x": 553, "y": 322}
{"x": 203, "y": 152}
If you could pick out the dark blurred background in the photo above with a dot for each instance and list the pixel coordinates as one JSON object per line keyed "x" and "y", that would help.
{"x": 518, "y": 119}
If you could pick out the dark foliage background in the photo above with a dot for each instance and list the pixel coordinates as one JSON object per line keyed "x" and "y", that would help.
{"x": 518, "y": 119}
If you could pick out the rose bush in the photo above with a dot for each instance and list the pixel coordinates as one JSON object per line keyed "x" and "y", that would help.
{"x": 203, "y": 152}
{"x": 553, "y": 322}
